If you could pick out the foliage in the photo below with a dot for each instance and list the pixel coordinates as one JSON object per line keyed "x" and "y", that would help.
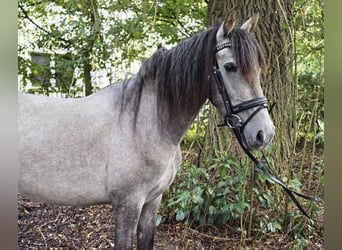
{"x": 212, "y": 195}
{"x": 101, "y": 34}
{"x": 215, "y": 194}
{"x": 227, "y": 192}
{"x": 309, "y": 57}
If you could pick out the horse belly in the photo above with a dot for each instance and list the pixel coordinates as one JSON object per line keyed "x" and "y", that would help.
{"x": 62, "y": 157}
{"x": 63, "y": 179}
{"x": 62, "y": 186}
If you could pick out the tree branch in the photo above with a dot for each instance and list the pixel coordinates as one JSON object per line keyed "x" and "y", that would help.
{"x": 26, "y": 16}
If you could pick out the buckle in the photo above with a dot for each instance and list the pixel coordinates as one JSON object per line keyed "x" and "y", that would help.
{"x": 233, "y": 121}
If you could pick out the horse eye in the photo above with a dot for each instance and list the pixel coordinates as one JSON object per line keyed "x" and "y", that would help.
{"x": 230, "y": 67}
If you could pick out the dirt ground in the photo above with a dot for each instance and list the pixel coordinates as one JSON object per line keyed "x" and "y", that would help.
{"x": 42, "y": 226}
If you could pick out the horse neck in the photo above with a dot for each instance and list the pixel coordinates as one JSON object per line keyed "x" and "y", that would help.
{"x": 176, "y": 126}
{"x": 150, "y": 121}
{"x": 177, "y": 132}
{"x": 182, "y": 88}
{"x": 179, "y": 77}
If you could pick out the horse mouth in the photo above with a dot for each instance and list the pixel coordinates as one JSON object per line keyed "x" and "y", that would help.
{"x": 257, "y": 143}
{"x": 256, "y": 146}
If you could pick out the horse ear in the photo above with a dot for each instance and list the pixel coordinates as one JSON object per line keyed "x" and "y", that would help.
{"x": 226, "y": 27}
{"x": 251, "y": 23}
{"x": 229, "y": 23}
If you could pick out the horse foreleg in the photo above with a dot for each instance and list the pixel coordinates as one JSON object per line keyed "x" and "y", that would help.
{"x": 147, "y": 223}
{"x": 126, "y": 219}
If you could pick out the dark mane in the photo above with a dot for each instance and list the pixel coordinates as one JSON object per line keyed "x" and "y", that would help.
{"x": 181, "y": 73}
{"x": 246, "y": 49}
{"x": 182, "y": 76}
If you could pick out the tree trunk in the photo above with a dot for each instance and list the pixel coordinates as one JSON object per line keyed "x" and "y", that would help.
{"x": 274, "y": 34}
{"x": 93, "y": 15}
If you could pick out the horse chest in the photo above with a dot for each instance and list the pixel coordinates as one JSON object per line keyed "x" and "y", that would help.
{"x": 161, "y": 173}
{"x": 164, "y": 180}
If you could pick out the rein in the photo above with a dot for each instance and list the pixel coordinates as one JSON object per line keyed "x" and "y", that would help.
{"x": 233, "y": 121}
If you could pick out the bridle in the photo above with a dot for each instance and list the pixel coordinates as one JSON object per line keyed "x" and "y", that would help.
{"x": 233, "y": 121}
{"x": 231, "y": 116}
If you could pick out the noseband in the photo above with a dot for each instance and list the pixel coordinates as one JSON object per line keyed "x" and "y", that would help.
{"x": 233, "y": 121}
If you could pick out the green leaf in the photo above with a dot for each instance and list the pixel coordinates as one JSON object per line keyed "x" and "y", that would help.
{"x": 212, "y": 210}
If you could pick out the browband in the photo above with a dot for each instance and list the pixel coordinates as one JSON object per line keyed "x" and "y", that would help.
{"x": 223, "y": 46}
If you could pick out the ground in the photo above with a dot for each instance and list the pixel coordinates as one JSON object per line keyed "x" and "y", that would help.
{"x": 42, "y": 226}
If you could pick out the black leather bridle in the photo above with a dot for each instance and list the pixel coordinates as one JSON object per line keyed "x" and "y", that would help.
{"x": 233, "y": 121}
{"x": 231, "y": 117}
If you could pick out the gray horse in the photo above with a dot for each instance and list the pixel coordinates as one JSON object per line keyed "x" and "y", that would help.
{"x": 121, "y": 145}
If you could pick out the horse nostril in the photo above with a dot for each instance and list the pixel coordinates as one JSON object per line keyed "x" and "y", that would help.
{"x": 260, "y": 137}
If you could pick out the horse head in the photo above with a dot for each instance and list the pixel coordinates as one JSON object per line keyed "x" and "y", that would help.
{"x": 237, "y": 92}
